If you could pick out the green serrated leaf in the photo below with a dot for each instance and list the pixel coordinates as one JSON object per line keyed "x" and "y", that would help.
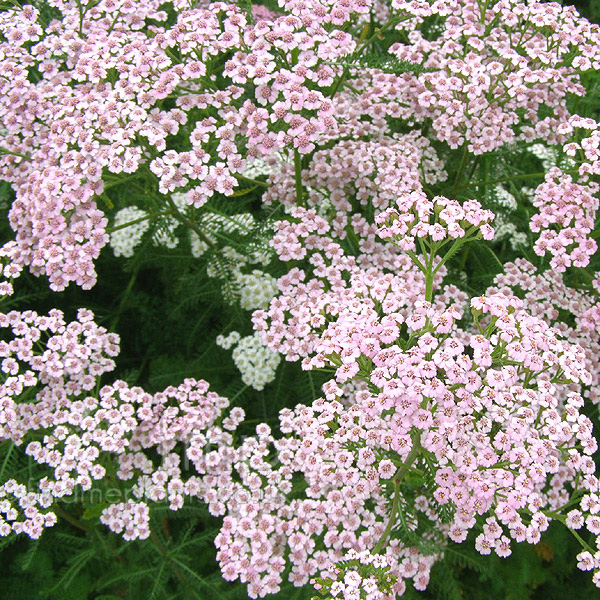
{"x": 93, "y": 511}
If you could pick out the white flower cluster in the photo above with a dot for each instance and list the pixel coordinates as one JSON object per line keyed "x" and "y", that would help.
{"x": 256, "y": 363}
{"x": 503, "y": 229}
{"x": 226, "y": 341}
{"x": 124, "y": 241}
{"x": 256, "y": 167}
{"x": 256, "y": 289}
{"x": 252, "y": 290}
{"x": 165, "y": 234}
{"x": 505, "y": 199}
{"x": 549, "y": 157}
{"x": 350, "y": 580}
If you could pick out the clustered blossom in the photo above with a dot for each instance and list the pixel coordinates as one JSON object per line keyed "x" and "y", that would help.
{"x": 486, "y": 405}
{"x": 353, "y": 584}
{"x": 36, "y": 395}
{"x": 305, "y": 302}
{"x": 131, "y": 519}
{"x": 86, "y": 435}
{"x": 567, "y": 212}
{"x": 256, "y": 363}
{"x": 425, "y": 399}
{"x": 418, "y": 217}
{"x": 50, "y": 369}
{"x": 75, "y": 355}
{"x": 546, "y": 296}
{"x": 96, "y": 113}
{"x": 441, "y": 415}
{"x": 505, "y": 205}
{"x": 585, "y": 151}
{"x": 342, "y": 505}
{"x": 567, "y": 201}
{"x": 494, "y": 67}
{"x": 130, "y": 224}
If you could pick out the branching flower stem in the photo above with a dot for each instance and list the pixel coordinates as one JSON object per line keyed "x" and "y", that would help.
{"x": 398, "y": 478}
{"x": 298, "y": 177}
{"x": 191, "y": 224}
{"x": 140, "y": 220}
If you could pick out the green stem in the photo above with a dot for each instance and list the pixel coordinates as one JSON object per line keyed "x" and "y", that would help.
{"x": 417, "y": 262}
{"x": 250, "y": 180}
{"x": 458, "y": 244}
{"x": 473, "y": 167}
{"x": 585, "y": 273}
{"x": 298, "y": 177}
{"x": 63, "y": 514}
{"x": 5, "y": 151}
{"x": 562, "y": 519}
{"x": 398, "y": 478}
{"x": 338, "y": 83}
{"x": 429, "y": 286}
{"x": 135, "y": 221}
{"x": 191, "y": 224}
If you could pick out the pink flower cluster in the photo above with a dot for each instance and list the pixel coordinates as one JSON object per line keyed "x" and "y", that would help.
{"x": 546, "y": 296}
{"x": 95, "y": 112}
{"x": 494, "y": 67}
{"x": 567, "y": 212}
{"x": 416, "y": 217}
{"x": 373, "y": 171}
{"x": 352, "y": 583}
{"x": 122, "y": 429}
{"x": 494, "y": 408}
{"x": 131, "y": 519}
{"x": 586, "y": 151}
{"x": 440, "y": 416}
{"x": 494, "y": 425}
{"x": 381, "y": 275}
{"x": 267, "y": 528}
{"x": 74, "y": 356}
{"x": 36, "y": 394}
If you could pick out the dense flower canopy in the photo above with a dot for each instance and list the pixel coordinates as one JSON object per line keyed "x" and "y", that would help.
{"x": 335, "y": 168}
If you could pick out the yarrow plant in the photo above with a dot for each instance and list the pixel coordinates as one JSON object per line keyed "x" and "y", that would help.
{"x": 399, "y": 198}
{"x": 481, "y": 411}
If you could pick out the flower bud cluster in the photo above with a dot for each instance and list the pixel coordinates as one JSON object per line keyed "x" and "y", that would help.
{"x": 361, "y": 576}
